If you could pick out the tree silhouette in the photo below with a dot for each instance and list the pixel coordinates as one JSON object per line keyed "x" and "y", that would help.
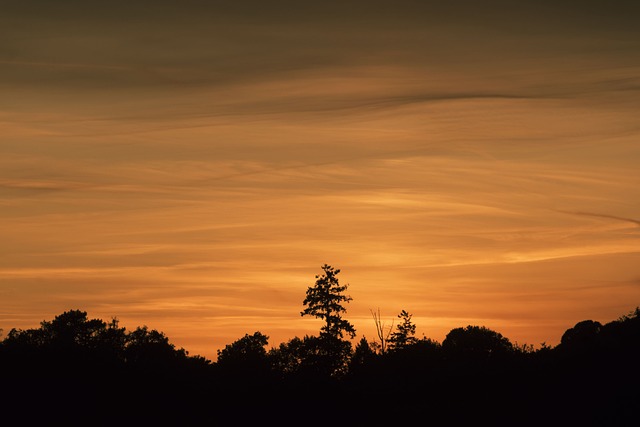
{"x": 75, "y": 327}
{"x": 324, "y": 300}
{"x": 363, "y": 356}
{"x": 112, "y": 341}
{"x": 150, "y": 350}
{"x": 289, "y": 357}
{"x": 404, "y": 335}
{"x": 584, "y": 336}
{"x": 245, "y": 358}
{"x": 69, "y": 330}
{"x": 476, "y": 342}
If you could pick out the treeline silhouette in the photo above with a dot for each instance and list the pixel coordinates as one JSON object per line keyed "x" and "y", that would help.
{"x": 81, "y": 371}
{"x": 73, "y": 367}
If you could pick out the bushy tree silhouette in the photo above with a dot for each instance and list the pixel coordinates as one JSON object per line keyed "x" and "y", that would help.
{"x": 150, "y": 350}
{"x": 311, "y": 358}
{"x": 476, "y": 343}
{"x": 584, "y": 336}
{"x": 248, "y": 350}
{"x": 245, "y": 359}
{"x": 363, "y": 355}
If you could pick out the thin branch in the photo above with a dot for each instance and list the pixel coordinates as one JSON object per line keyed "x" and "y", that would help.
{"x": 380, "y": 330}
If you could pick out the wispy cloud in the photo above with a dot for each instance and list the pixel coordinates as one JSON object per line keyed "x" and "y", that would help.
{"x": 599, "y": 215}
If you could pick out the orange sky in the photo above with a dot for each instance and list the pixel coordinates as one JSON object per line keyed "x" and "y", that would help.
{"x": 189, "y": 166}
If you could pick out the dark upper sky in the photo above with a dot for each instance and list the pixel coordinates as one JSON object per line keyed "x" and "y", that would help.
{"x": 158, "y": 45}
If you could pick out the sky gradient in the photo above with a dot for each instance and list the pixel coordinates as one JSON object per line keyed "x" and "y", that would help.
{"x": 189, "y": 166}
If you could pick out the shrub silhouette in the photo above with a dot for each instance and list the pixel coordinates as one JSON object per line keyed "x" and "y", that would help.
{"x": 476, "y": 343}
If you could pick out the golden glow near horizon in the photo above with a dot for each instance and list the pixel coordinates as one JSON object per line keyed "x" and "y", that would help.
{"x": 191, "y": 167}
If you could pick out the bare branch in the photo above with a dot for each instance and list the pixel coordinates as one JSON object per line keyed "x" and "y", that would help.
{"x": 380, "y": 330}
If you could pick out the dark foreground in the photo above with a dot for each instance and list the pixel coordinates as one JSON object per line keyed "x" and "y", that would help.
{"x": 74, "y": 371}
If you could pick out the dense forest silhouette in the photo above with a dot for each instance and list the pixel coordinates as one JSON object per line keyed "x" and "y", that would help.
{"x": 81, "y": 371}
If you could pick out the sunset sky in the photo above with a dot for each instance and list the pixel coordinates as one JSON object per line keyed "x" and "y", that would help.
{"x": 190, "y": 165}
